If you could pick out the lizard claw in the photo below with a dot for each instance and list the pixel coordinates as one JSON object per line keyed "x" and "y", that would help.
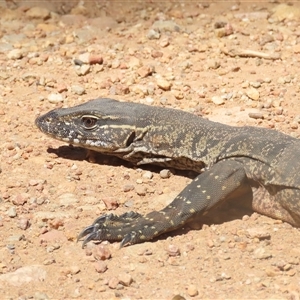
{"x": 93, "y": 232}
{"x": 92, "y": 229}
{"x": 103, "y": 225}
{"x": 85, "y": 231}
{"x": 95, "y": 235}
{"x": 128, "y": 239}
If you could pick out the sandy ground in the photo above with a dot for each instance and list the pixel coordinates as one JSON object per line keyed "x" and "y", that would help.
{"x": 236, "y": 63}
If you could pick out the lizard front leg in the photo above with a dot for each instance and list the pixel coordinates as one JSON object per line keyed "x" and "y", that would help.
{"x": 205, "y": 191}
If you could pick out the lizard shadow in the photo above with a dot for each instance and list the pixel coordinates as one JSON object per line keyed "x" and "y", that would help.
{"x": 80, "y": 154}
{"x": 229, "y": 210}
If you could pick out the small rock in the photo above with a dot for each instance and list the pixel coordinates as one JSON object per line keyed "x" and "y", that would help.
{"x": 110, "y": 203}
{"x": 74, "y": 270}
{"x": 113, "y": 282}
{"x": 287, "y": 267}
{"x": 76, "y": 294}
{"x": 141, "y": 190}
{"x": 101, "y": 252}
{"x": 40, "y": 296}
{"x": 10, "y": 146}
{"x": 164, "y": 42}
{"x": 62, "y": 88}
{"x": 15, "y": 54}
{"x": 115, "y": 64}
{"x": 15, "y": 238}
{"x": 84, "y": 58}
{"x": 83, "y": 70}
{"x": 35, "y": 182}
{"x": 125, "y": 279}
{"x": 284, "y": 11}
{"x": 67, "y": 199}
{"x": 128, "y": 203}
{"x": 265, "y": 39}
{"x": 245, "y": 84}
{"x": 178, "y": 94}
{"x": 291, "y": 273}
{"x": 55, "y": 98}
{"x": 178, "y": 297}
{"x": 296, "y": 49}
{"x": 224, "y": 31}
{"x": 255, "y": 84}
{"x": 192, "y": 290}
{"x": 165, "y": 173}
{"x": 139, "y": 181}
{"x": 281, "y": 80}
{"x": 128, "y": 187}
{"x": 49, "y": 261}
{"x": 149, "y": 100}
{"x": 78, "y": 62}
{"x": 156, "y": 54}
{"x": 102, "y": 23}
{"x": 23, "y": 223}
{"x": 145, "y": 71}
{"x": 256, "y": 115}
{"x": 163, "y": 83}
{"x": 100, "y": 266}
{"x": 253, "y": 94}
{"x": 261, "y": 253}
{"x": 219, "y": 24}
{"x": 220, "y": 32}
{"x": 20, "y": 199}
{"x": 164, "y": 26}
{"x": 52, "y": 248}
{"x": 24, "y": 275}
{"x": 77, "y": 89}
{"x": 225, "y": 276}
{"x": 38, "y": 13}
{"x": 271, "y": 272}
{"x": 258, "y": 233}
{"x": 153, "y": 34}
{"x": 139, "y": 89}
{"x": 217, "y": 100}
{"x": 210, "y": 243}
{"x": 53, "y": 236}
{"x": 47, "y": 27}
{"x": 294, "y": 125}
{"x": 95, "y": 59}
{"x": 173, "y": 250}
{"x": 297, "y": 119}
{"x": 148, "y": 175}
{"x": 11, "y": 212}
{"x": 70, "y": 270}
{"x": 133, "y": 63}
{"x": 213, "y": 64}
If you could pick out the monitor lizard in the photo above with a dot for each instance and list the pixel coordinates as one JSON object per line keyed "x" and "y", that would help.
{"x": 259, "y": 161}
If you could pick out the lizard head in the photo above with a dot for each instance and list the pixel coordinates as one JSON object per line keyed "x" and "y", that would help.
{"x": 103, "y": 125}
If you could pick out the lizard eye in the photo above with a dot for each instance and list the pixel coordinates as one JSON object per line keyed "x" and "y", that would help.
{"x": 89, "y": 122}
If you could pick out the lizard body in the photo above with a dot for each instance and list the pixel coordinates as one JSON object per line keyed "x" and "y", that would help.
{"x": 261, "y": 161}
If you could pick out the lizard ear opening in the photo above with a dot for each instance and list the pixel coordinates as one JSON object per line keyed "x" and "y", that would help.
{"x": 130, "y": 139}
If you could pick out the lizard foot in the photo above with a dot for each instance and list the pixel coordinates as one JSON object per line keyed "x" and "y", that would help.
{"x": 113, "y": 228}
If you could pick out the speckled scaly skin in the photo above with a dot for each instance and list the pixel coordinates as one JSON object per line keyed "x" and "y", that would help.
{"x": 262, "y": 162}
